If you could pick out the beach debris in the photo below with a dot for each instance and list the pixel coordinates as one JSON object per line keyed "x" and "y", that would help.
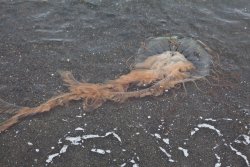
{"x": 161, "y": 64}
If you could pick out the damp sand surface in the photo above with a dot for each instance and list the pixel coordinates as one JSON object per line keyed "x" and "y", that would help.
{"x": 98, "y": 41}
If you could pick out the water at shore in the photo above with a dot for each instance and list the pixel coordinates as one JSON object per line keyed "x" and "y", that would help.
{"x": 98, "y": 40}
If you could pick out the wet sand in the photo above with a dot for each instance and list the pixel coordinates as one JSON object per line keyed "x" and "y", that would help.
{"x": 96, "y": 40}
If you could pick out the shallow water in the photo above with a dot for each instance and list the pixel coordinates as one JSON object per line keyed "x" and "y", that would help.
{"x": 98, "y": 40}
{"x": 222, "y": 24}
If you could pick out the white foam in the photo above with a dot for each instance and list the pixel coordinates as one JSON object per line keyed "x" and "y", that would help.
{"x": 210, "y": 119}
{"x": 122, "y": 165}
{"x": 99, "y": 151}
{"x": 79, "y": 128}
{"x": 90, "y": 136}
{"x": 246, "y": 139}
{"x": 218, "y": 163}
{"x": 185, "y": 151}
{"x": 166, "y": 140}
{"x": 108, "y": 151}
{"x": 115, "y": 135}
{"x": 240, "y": 154}
{"x": 63, "y": 149}
{"x": 59, "y": 141}
{"x": 227, "y": 119}
{"x": 134, "y": 163}
{"x": 217, "y": 145}
{"x": 204, "y": 125}
{"x": 78, "y": 141}
{"x": 194, "y": 131}
{"x": 51, "y": 157}
{"x": 157, "y": 136}
{"x": 167, "y": 154}
{"x": 74, "y": 140}
{"x": 214, "y": 120}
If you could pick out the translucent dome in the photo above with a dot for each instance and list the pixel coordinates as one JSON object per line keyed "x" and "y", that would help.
{"x": 192, "y": 49}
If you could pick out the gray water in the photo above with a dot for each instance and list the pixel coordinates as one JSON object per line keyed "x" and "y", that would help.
{"x": 95, "y": 39}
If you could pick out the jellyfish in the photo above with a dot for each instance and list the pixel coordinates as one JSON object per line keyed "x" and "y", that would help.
{"x": 160, "y": 64}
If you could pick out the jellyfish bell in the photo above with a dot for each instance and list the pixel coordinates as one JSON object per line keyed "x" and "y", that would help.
{"x": 193, "y": 50}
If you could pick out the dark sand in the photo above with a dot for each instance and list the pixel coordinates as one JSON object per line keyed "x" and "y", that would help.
{"x": 94, "y": 40}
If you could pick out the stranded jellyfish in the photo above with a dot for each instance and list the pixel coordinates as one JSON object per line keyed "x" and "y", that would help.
{"x": 193, "y": 50}
{"x": 160, "y": 64}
